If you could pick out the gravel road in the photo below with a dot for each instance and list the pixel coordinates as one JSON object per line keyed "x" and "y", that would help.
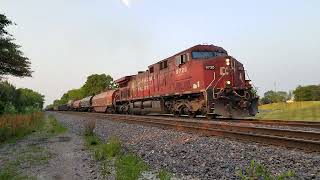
{"x": 194, "y": 157}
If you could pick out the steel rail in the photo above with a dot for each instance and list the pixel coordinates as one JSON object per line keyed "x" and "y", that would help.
{"x": 304, "y": 140}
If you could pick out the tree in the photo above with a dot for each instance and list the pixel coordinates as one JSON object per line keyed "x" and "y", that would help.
{"x": 8, "y": 98}
{"x": 274, "y": 97}
{"x": 97, "y": 83}
{"x": 12, "y": 61}
{"x": 94, "y": 85}
{"x": 29, "y": 99}
{"x": 307, "y": 93}
{"x": 73, "y": 94}
{"x": 14, "y": 100}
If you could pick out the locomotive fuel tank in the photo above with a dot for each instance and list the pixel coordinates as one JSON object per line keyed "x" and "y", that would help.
{"x": 145, "y": 107}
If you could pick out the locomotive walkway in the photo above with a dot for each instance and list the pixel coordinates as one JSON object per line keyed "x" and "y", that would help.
{"x": 245, "y": 130}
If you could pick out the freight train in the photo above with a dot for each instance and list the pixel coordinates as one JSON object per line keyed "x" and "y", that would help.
{"x": 202, "y": 80}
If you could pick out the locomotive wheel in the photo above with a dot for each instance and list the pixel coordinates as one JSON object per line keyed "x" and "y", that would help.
{"x": 192, "y": 114}
{"x": 176, "y": 114}
{"x": 211, "y": 116}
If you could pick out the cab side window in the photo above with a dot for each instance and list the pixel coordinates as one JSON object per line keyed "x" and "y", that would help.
{"x": 151, "y": 69}
{"x": 181, "y": 59}
{"x": 163, "y": 64}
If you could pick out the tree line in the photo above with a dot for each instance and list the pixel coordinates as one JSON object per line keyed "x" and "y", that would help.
{"x": 301, "y": 93}
{"x": 95, "y": 84}
{"x": 14, "y": 63}
{"x": 20, "y": 100}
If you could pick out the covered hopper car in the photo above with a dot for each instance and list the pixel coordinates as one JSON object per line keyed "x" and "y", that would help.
{"x": 76, "y": 105}
{"x": 85, "y": 104}
{"x": 104, "y": 102}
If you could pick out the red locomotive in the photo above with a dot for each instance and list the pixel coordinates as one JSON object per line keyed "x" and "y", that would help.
{"x": 202, "y": 80}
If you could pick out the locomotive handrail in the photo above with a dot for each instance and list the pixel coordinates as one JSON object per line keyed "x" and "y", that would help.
{"x": 216, "y": 83}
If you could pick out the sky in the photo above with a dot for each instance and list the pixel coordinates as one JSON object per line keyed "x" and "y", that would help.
{"x": 277, "y": 41}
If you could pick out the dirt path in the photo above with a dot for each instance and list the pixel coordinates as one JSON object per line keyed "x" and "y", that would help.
{"x": 71, "y": 160}
{"x": 46, "y": 157}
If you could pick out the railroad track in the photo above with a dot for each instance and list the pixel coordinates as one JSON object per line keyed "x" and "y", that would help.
{"x": 315, "y": 125}
{"x": 244, "y": 130}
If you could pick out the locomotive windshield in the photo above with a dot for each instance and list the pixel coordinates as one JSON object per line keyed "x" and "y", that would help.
{"x": 206, "y": 54}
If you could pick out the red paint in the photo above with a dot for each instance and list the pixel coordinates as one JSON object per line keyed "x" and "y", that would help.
{"x": 190, "y": 77}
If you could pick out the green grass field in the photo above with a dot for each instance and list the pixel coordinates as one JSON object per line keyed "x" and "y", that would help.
{"x": 306, "y": 111}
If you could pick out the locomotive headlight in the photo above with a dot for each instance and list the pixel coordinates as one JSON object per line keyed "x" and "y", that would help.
{"x": 227, "y": 62}
{"x": 228, "y": 82}
{"x": 250, "y": 82}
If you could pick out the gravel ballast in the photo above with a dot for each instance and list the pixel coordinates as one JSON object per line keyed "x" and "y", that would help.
{"x": 191, "y": 156}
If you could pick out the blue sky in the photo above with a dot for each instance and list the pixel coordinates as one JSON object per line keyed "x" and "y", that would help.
{"x": 277, "y": 41}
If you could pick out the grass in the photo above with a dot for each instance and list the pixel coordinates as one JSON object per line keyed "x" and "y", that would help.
{"x": 10, "y": 172}
{"x": 30, "y": 156}
{"x": 53, "y": 127}
{"x": 306, "y": 111}
{"x": 92, "y": 140}
{"x": 17, "y": 126}
{"x": 89, "y": 128}
{"x": 13, "y": 127}
{"x": 258, "y": 171}
{"x": 164, "y": 175}
{"x": 33, "y": 155}
{"x": 129, "y": 167}
{"x": 108, "y": 150}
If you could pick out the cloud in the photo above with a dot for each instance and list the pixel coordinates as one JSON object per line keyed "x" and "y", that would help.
{"x": 126, "y": 2}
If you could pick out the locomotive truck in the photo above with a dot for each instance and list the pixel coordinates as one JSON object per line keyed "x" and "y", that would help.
{"x": 201, "y": 80}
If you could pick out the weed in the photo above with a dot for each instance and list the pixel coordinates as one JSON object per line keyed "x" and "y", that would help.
{"x": 9, "y": 172}
{"x": 258, "y": 171}
{"x": 54, "y": 127}
{"x": 13, "y": 127}
{"x": 164, "y": 175}
{"x": 129, "y": 167}
{"x": 89, "y": 128}
{"x": 92, "y": 140}
{"x": 34, "y": 155}
{"x": 108, "y": 150}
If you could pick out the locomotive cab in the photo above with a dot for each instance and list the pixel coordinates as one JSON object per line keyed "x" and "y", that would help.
{"x": 227, "y": 92}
